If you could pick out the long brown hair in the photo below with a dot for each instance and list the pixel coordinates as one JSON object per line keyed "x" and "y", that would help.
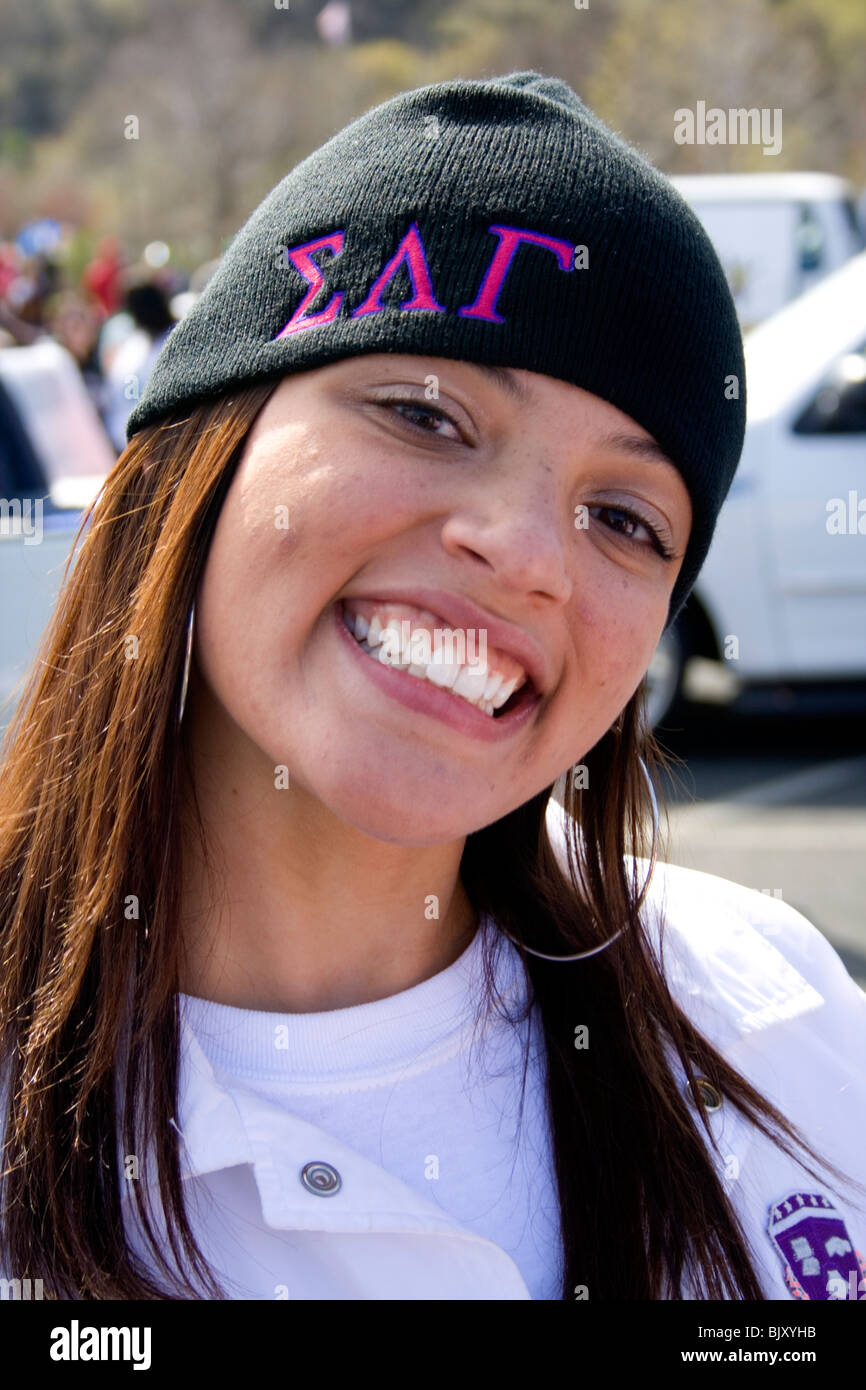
{"x": 90, "y": 882}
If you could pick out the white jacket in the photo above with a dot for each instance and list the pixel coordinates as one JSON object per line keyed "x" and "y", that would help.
{"x": 759, "y": 981}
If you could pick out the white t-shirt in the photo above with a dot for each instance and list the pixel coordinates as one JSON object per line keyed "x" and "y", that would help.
{"x": 407, "y": 1083}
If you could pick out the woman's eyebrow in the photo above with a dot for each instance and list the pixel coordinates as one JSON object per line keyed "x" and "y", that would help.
{"x": 641, "y": 448}
{"x": 504, "y": 377}
{"x": 625, "y": 443}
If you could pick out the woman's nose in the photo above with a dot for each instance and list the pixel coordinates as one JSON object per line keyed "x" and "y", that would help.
{"x": 521, "y": 530}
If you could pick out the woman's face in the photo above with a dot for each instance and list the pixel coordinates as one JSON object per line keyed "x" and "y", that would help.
{"x": 427, "y": 482}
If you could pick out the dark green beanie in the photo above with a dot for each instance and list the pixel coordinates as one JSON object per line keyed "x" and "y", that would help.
{"x": 491, "y": 221}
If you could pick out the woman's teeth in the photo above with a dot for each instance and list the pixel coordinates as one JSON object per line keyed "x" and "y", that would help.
{"x": 487, "y": 689}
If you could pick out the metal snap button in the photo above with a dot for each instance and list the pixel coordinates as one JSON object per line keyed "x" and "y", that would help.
{"x": 321, "y": 1178}
{"x": 708, "y": 1095}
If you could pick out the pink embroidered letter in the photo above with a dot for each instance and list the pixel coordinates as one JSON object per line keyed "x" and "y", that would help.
{"x": 410, "y": 250}
{"x": 301, "y": 259}
{"x": 509, "y": 240}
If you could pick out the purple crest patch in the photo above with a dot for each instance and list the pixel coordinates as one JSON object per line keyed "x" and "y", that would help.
{"x": 818, "y": 1254}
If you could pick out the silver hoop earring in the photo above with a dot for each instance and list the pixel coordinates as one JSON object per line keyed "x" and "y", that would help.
{"x": 584, "y": 955}
{"x": 186, "y": 662}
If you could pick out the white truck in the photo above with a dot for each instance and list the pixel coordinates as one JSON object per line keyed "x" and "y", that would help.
{"x": 776, "y": 235}
{"x": 54, "y": 458}
{"x": 781, "y": 598}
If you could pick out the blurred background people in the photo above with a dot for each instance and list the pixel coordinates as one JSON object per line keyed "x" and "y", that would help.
{"x": 127, "y": 365}
{"x": 103, "y": 275}
{"x": 75, "y": 321}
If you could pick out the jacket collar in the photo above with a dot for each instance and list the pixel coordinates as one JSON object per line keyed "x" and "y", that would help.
{"x": 728, "y": 978}
{"x": 222, "y": 1127}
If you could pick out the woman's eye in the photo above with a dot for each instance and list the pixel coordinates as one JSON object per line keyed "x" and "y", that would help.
{"x": 421, "y": 411}
{"x": 632, "y": 521}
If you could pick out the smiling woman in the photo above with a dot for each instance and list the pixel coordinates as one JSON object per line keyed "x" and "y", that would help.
{"x": 479, "y": 531}
{"x": 251, "y": 935}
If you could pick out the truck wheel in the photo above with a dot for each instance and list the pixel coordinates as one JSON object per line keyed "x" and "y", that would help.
{"x": 665, "y": 674}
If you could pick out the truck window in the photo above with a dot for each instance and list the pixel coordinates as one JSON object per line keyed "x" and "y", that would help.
{"x": 20, "y": 471}
{"x": 839, "y": 405}
{"x": 852, "y": 217}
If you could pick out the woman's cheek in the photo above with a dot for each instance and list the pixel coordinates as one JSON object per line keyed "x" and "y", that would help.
{"x": 370, "y": 506}
{"x": 618, "y": 645}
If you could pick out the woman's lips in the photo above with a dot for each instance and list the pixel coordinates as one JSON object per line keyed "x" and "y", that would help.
{"x": 424, "y": 698}
{"x": 425, "y": 622}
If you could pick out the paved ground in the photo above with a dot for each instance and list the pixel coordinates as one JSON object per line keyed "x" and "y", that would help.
{"x": 776, "y": 802}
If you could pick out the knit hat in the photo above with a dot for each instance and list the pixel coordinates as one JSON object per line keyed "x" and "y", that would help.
{"x": 498, "y": 222}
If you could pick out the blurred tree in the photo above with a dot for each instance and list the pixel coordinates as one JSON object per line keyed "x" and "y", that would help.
{"x": 230, "y": 94}
{"x": 176, "y": 155}
{"x": 663, "y": 55}
{"x": 51, "y": 50}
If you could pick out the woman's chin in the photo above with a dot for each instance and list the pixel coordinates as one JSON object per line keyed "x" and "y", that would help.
{"x": 412, "y": 822}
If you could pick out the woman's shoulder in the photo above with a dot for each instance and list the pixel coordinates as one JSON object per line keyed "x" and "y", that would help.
{"x": 739, "y": 958}
{"x": 710, "y": 913}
